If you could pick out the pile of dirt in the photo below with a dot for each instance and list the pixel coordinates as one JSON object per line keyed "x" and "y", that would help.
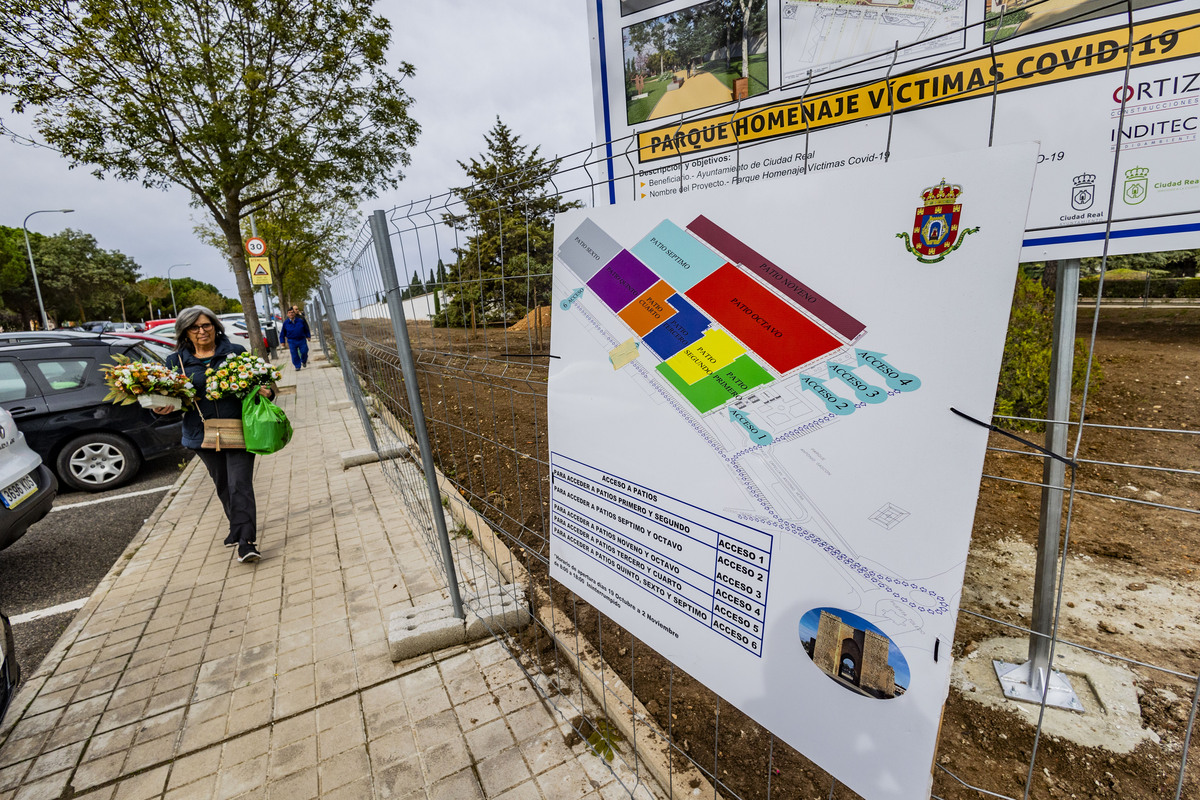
{"x": 538, "y": 317}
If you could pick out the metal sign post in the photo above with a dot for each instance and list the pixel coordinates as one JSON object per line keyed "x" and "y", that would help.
{"x": 1034, "y": 679}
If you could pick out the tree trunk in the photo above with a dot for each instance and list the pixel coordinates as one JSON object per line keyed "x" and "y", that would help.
{"x": 747, "y": 7}
{"x": 231, "y": 226}
{"x": 1050, "y": 276}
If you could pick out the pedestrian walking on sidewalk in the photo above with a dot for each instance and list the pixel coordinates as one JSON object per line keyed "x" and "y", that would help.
{"x": 202, "y": 343}
{"x": 296, "y": 333}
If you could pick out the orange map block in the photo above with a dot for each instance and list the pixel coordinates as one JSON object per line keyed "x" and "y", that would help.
{"x": 649, "y": 310}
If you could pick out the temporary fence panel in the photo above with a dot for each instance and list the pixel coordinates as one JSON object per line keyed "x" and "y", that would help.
{"x": 1125, "y": 599}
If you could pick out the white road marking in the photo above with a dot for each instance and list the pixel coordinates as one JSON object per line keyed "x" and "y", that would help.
{"x": 74, "y": 605}
{"x": 106, "y": 499}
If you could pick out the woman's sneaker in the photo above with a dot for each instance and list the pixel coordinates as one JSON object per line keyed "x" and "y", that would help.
{"x": 231, "y": 540}
{"x": 248, "y": 553}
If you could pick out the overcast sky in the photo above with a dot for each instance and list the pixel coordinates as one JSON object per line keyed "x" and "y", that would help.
{"x": 524, "y": 60}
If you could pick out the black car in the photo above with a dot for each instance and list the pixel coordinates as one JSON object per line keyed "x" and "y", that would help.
{"x": 52, "y": 385}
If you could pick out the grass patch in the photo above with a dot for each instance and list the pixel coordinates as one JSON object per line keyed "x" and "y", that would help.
{"x": 758, "y": 72}
{"x": 639, "y": 110}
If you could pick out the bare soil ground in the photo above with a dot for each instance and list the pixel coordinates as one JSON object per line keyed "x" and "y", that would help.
{"x": 1131, "y": 587}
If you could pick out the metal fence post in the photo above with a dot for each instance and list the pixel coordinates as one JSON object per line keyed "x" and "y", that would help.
{"x": 1032, "y": 680}
{"x": 391, "y": 288}
{"x": 319, "y": 313}
{"x": 352, "y": 387}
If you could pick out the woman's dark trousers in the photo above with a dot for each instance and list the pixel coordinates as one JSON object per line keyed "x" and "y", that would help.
{"x": 233, "y": 473}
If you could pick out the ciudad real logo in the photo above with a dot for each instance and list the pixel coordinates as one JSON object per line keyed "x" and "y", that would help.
{"x": 1083, "y": 191}
{"x": 935, "y": 231}
{"x": 1137, "y": 185}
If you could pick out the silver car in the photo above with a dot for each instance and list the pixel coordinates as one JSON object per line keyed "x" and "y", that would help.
{"x": 27, "y": 486}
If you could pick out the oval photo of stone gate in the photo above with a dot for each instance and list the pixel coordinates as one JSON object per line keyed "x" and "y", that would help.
{"x": 855, "y": 654}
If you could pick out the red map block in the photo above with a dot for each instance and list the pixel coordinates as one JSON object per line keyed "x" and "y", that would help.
{"x": 769, "y": 327}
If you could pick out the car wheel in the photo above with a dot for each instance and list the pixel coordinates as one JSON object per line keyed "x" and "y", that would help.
{"x": 94, "y": 462}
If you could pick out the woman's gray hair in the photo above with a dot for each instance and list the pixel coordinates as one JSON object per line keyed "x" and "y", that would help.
{"x": 187, "y": 318}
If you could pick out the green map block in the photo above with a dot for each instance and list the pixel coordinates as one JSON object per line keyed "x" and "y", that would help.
{"x": 719, "y": 388}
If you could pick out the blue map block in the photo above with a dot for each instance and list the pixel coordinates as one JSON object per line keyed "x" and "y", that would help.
{"x": 679, "y": 330}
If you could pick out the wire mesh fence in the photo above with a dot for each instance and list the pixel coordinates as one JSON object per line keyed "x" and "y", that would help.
{"x": 1125, "y": 601}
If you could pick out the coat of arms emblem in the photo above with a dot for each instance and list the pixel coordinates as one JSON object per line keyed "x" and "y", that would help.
{"x": 936, "y": 232}
{"x": 1137, "y": 184}
{"x": 1083, "y": 192}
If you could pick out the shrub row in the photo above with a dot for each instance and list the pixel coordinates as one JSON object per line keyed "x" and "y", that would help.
{"x": 1158, "y": 287}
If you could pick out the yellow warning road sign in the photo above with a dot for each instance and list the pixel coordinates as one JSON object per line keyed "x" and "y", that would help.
{"x": 260, "y": 271}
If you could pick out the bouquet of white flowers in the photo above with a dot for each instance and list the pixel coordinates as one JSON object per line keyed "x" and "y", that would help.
{"x": 146, "y": 382}
{"x": 238, "y": 376}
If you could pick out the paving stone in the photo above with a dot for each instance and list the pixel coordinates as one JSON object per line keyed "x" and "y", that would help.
{"x": 488, "y": 740}
{"x": 98, "y": 771}
{"x": 343, "y": 768}
{"x": 566, "y": 782}
{"x": 142, "y": 787}
{"x": 444, "y": 759}
{"x": 502, "y": 771}
{"x": 46, "y": 789}
{"x": 400, "y": 779}
{"x": 195, "y": 767}
{"x": 459, "y": 786}
{"x": 301, "y": 785}
{"x": 292, "y": 757}
{"x": 54, "y": 761}
{"x": 239, "y": 779}
{"x": 526, "y": 791}
{"x": 545, "y": 751}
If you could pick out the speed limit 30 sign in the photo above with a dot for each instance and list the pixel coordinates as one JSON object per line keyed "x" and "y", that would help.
{"x": 255, "y": 246}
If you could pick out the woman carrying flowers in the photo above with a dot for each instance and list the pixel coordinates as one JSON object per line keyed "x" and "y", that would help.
{"x": 203, "y": 347}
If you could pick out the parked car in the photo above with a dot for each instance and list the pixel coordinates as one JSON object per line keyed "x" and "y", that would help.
{"x": 27, "y": 486}
{"x": 53, "y": 386}
{"x": 159, "y": 343}
{"x": 10, "y": 673}
{"x": 95, "y": 326}
{"x": 154, "y": 324}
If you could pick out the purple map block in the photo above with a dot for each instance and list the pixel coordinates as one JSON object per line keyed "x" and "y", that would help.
{"x": 622, "y": 280}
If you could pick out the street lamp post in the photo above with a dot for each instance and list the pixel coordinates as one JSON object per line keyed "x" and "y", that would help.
{"x": 36, "y": 288}
{"x": 174, "y": 310}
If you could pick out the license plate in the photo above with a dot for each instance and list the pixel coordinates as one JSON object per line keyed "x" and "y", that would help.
{"x": 18, "y": 491}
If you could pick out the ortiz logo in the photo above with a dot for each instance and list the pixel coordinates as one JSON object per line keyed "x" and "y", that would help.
{"x": 935, "y": 232}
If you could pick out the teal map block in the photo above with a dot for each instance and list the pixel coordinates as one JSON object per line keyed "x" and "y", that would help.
{"x": 676, "y": 256}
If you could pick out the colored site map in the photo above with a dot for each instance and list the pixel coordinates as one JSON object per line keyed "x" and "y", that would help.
{"x": 723, "y": 319}
{"x": 754, "y": 465}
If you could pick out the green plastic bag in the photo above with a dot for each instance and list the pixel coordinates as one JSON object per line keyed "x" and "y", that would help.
{"x": 265, "y": 425}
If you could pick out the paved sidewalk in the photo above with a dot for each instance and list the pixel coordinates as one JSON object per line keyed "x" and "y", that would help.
{"x": 189, "y": 675}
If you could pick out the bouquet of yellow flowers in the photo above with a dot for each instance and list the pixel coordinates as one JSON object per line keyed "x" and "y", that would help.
{"x": 146, "y": 382}
{"x": 238, "y": 376}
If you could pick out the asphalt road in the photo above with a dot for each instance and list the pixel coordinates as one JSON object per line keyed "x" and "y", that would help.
{"x": 61, "y": 559}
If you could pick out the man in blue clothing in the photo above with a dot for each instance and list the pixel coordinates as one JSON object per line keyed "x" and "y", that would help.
{"x": 295, "y": 332}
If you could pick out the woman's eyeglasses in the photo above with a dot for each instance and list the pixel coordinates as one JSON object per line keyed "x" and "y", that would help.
{"x": 199, "y": 328}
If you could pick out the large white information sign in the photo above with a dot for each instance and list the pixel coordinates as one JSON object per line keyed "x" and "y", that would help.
{"x": 694, "y": 95}
{"x": 755, "y": 465}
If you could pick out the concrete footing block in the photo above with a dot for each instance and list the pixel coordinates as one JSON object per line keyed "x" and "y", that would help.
{"x": 424, "y": 629}
{"x": 503, "y": 608}
{"x": 356, "y": 458}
